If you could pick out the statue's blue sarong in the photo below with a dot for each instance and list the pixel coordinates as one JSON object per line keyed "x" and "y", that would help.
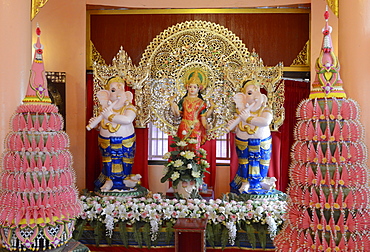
{"x": 118, "y": 158}
{"x": 254, "y": 159}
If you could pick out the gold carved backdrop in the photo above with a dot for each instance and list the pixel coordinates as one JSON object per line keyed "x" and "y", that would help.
{"x": 188, "y": 45}
{"x": 277, "y": 36}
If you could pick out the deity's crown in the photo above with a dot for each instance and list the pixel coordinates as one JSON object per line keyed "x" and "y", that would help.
{"x": 113, "y": 79}
{"x": 196, "y": 76}
{"x": 249, "y": 82}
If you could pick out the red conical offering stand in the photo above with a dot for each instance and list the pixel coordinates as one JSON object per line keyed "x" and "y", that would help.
{"x": 38, "y": 198}
{"x": 328, "y": 207}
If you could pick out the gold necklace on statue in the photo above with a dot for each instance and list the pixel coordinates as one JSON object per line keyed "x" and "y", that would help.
{"x": 247, "y": 128}
{"x": 191, "y": 104}
{"x": 108, "y": 126}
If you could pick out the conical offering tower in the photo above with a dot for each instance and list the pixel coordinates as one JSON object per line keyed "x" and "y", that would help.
{"x": 328, "y": 208}
{"x": 38, "y": 197}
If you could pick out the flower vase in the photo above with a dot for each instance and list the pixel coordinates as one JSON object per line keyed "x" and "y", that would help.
{"x": 185, "y": 188}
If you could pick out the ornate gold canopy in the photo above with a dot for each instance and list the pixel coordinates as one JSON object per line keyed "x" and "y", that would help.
{"x": 207, "y": 46}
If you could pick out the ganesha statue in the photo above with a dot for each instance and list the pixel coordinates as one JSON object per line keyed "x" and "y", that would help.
{"x": 117, "y": 139}
{"x": 252, "y": 139}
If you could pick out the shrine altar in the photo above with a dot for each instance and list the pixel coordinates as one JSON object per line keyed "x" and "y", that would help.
{"x": 149, "y": 222}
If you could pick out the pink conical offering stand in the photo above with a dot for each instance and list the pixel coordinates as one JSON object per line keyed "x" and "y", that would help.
{"x": 36, "y": 158}
{"x": 329, "y": 188}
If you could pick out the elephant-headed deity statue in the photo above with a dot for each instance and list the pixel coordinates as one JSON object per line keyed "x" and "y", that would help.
{"x": 117, "y": 139}
{"x": 252, "y": 139}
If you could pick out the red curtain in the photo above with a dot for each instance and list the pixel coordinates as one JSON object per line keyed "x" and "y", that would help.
{"x": 275, "y": 162}
{"x": 93, "y": 158}
{"x": 210, "y": 147}
{"x": 282, "y": 140}
{"x": 233, "y": 157}
{"x": 295, "y": 92}
{"x": 141, "y": 157}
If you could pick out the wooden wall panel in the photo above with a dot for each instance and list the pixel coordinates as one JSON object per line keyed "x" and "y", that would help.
{"x": 277, "y": 37}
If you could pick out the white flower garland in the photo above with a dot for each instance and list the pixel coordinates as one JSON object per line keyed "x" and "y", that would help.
{"x": 111, "y": 210}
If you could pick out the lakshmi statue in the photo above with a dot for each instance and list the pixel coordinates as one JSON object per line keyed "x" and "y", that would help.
{"x": 253, "y": 139}
{"x": 193, "y": 110}
{"x": 117, "y": 140}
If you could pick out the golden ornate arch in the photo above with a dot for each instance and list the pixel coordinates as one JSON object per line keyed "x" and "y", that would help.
{"x": 208, "y": 46}
{"x": 215, "y": 50}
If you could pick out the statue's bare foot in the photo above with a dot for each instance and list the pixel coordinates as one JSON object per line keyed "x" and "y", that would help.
{"x": 107, "y": 185}
{"x": 244, "y": 187}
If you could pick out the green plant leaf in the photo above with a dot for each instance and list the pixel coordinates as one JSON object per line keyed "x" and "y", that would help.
{"x": 251, "y": 235}
{"x": 195, "y": 194}
{"x": 199, "y": 181}
{"x": 169, "y": 231}
{"x": 217, "y": 232}
{"x": 224, "y": 237}
{"x": 122, "y": 226}
{"x": 176, "y": 182}
{"x": 209, "y": 235}
{"x": 262, "y": 232}
{"x": 146, "y": 234}
{"x": 196, "y": 168}
{"x": 182, "y": 168}
{"x": 79, "y": 228}
{"x": 243, "y": 197}
{"x": 237, "y": 240}
{"x": 137, "y": 234}
{"x": 109, "y": 240}
{"x": 98, "y": 231}
{"x": 166, "y": 177}
{"x": 187, "y": 177}
{"x": 233, "y": 196}
{"x": 224, "y": 197}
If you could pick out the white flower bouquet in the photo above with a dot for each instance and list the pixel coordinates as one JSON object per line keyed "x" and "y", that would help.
{"x": 185, "y": 164}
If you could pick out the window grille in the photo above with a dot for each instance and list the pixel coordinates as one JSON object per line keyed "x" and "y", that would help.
{"x": 158, "y": 146}
{"x": 158, "y": 143}
{"x": 223, "y": 149}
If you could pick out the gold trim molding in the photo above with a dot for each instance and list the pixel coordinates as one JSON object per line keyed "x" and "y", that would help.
{"x": 198, "y": 11}
{"x": 296, "y": 69}
{"x": 36, "y": 6}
